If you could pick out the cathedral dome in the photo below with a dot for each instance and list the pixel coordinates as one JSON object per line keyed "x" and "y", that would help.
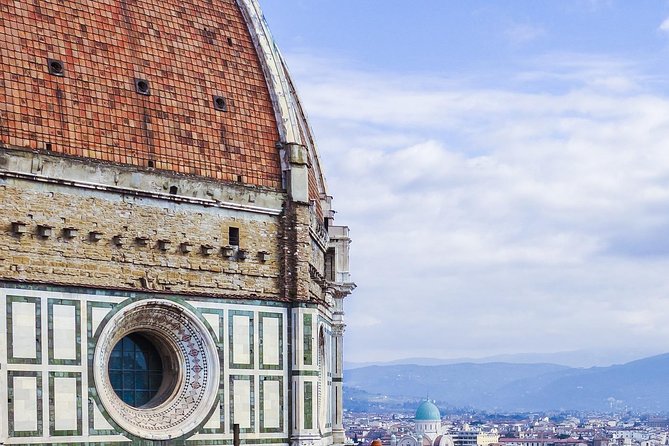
{"x": 427, "y": 411}
{"x": 181, "y": 86}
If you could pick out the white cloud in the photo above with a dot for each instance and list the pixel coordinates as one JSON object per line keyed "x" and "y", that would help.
{"x": 497, "y": 220}
{"x": 665, "y": 25}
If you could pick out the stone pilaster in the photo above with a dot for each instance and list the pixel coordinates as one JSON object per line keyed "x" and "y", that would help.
{"x": 304, "y": 319}
{"x": 338, "y": 433}
{"x": 296, "y": 220}
{"x": 339, "y": 286}
{"x": 304, "y": 377}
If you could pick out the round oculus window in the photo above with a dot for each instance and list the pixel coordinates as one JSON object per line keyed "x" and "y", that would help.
{"x": 156, "y": 369}
{"x": 136, "y": 370}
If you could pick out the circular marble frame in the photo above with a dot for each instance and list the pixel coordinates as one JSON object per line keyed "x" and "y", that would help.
{"x": 191, "y": 362}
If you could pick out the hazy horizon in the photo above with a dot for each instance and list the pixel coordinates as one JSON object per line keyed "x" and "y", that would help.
{"x": 575, "y": 358}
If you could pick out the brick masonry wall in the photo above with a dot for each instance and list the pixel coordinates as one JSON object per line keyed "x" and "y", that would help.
{"x": 296, "y": 251}
{"x": 82, "y": 262}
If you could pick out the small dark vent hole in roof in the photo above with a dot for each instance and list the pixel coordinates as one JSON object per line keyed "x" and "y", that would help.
{"x": 142, "y": 86}
{"x": 56, "y": 67}
{"x": 174, "y": 190}
{"x": 48, "y": 146}
{"x": 151, "y": 163}
{"x": 220, "y": 104}
{"x": 240, "y": 178}
{"x": 230, "y": 41}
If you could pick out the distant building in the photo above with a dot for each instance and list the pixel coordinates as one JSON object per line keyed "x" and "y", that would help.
{"x": 473, "y": 437}
{"x": 542, "y": 442}
{"x": 658, "y": 422}
{"x": 428, "y": 420}
{"x": 429, "y": 431}
{"x": 428, "y": 428}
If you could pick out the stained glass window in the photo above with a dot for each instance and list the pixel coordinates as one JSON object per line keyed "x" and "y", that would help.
{"x": 135, "y": 370}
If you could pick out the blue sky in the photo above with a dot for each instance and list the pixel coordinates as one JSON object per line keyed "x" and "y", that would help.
{"x": 469, "y": 39}
{"x": 503, "y": 165}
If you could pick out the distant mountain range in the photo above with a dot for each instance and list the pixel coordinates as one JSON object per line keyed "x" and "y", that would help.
{"x": 570, "y": 358}
{"x": 642, "y": 385}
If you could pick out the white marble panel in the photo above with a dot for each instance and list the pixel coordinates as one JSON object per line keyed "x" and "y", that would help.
{"x": 100, "y": 423}
{"x": 215, "y": 421}
{"x": 270, "y": 340}
{"x": 64, "y": 332}
{"x": 65, "y": 404}
{"x": 214, "y": 321}
{"x": 97, "y": 316}
{"x": 240, "y": 340}
{"x": 24, "y": 344}
{"x": 25, "y": 403}
{"x": 242, "y": 403}
{"x": 271, "y": 404}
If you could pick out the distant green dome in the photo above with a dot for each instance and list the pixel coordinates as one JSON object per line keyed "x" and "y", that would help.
{"x": 427, "y": 412}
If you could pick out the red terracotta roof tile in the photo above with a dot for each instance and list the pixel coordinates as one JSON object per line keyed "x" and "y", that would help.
{"x": 188, "y": 51}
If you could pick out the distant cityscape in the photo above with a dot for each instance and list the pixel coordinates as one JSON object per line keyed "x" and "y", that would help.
{"x": 426, "y": 426}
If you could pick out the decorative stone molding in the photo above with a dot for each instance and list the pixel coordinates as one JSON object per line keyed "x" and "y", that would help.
{"x": 119, "y": 240}
{"x": 19, "y": 227}
{"x": 70, "y": 233}
{"x": 228, "y": 251}
{"x": 263, "y": 256}
{"x": 191, "y": 369}
{"x": 44, "y": 231}
{"x": 164, "y": 244}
